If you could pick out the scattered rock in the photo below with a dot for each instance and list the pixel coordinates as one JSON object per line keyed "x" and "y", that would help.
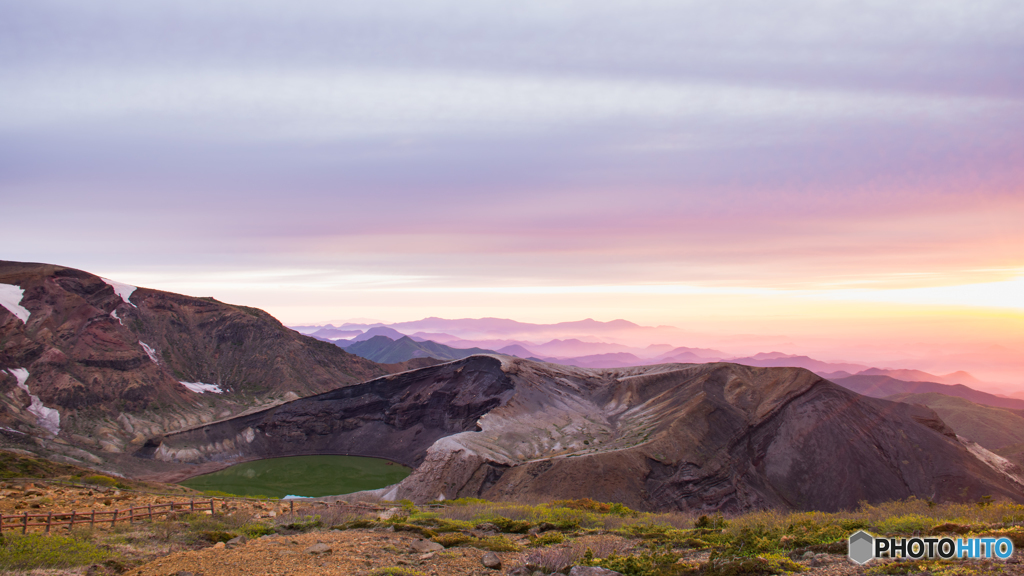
{"x": 592, "y": 571}
{"x": 391, "y": 513}
{"x": 487, "y": 527}
{"x": 236, "y": 541}
{"x": 219, "y": 545}
{"x": 421, "y": 546}
{"x": 426, "y": 556}
{"x": 520, "y": 571}
{"x": 318, "y": 548}
{"x": 491, "y": 560}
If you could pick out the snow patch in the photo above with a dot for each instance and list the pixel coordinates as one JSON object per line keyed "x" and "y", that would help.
{"x": 21, "y": 375}
{"x": 48, "y": 418}
{"x": 294, "y": 497}
{"x": 200, "y": 387}
{"x": 121, "y": 289}
{"x": 10, "y": 298}
{"x": 113, "y": 314}
{"x": 152, "y": 355}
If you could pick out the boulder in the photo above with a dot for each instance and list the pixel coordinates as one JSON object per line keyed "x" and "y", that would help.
{"x": 491, "y": 560}
{"x": 318, "y": 549}
{"x": 421, "y": 546}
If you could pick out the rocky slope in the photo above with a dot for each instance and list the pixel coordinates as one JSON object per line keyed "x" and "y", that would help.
{"x": 90, "y": 368}
{"x": 677, "y": 436}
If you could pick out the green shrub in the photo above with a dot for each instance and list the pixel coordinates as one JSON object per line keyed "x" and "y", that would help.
{"x": 751, "y": 566}
{"x": 650, "y": 563}
{"x": 715, "y": 522}
{"x": 257, "y": 529}
{"x": 906, "y": 524}
{"x": 450, "y": 539}
{"x": 511, "y": 526}
{"x": 548, "y": 538}
{"x": 214, "y": 536}
{"x": 29, "y": 551}
{"x": 466, "y": 501}
{"x": 403, "y": 527}
{"x": 99, "y": 480}
{"x": 446, "y": 525}
{"x": 593, "y": 506}
{"x": 851, "y": 525}
{"x": 496, "y": 544}
{"x": 646, "y": 531}
{"x": 354, "y": 524}
{"x": 303, "y": 523}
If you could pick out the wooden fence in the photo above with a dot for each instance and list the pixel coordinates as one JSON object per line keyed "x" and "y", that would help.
{"x": 92, "y": 517}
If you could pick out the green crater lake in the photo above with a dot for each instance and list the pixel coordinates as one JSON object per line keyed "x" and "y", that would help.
{"x": 302, "y": 476}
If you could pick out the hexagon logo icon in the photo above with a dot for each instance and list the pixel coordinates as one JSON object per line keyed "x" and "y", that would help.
{"x": 861, "y": 545}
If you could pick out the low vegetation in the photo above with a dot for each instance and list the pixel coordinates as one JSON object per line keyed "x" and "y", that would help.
{"x": 550, "y": 537}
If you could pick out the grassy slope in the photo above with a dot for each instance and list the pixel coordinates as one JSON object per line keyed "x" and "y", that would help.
{"x": 994, "y": 428}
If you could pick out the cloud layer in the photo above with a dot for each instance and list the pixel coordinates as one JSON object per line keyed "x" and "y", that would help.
{"x": 417, "y": 152}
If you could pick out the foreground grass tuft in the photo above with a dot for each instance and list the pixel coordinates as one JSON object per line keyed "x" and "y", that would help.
{"x": 29, "y": 551}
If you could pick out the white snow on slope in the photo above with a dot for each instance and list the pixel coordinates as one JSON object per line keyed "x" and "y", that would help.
{"x": 201, "y": 387}
{"x": 150, "y": 352}
{"x": 48, "y": 418}
{"x": 21, "y": 375}
{"x": 123, "y": 290}
{"x": 113, "y": 314}
{"x": 10, "y": 298}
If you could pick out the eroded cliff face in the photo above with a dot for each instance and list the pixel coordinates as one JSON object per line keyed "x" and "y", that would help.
{"x": 396, "y": 417}
{"x": 688, "y": 437}
{"x": 109, "y": 362}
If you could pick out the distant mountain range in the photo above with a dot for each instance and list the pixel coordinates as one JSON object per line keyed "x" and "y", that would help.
{"x": 444, "y": 339}
{"x": 878, "y": 386}
{"x": 384, "y": 350}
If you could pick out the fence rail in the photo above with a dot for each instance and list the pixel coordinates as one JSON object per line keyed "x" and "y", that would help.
{"x": 92, "y": 517}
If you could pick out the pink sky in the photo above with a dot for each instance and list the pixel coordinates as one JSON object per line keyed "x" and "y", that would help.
{"x": 845, "y": 179}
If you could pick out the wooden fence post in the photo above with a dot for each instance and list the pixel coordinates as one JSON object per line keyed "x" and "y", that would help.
{"x": 92, "y": 518}
{"x": 114, "y": 519}
{"x": 24, "y": 523}
{"x": 192, "y": 505}
{"x": 72, "y": 525}
{"x": 1, "y": 522}
{"x": 49, "y": 521}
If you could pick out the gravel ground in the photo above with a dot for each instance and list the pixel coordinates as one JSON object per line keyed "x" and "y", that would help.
{"x": 360, "y": 552}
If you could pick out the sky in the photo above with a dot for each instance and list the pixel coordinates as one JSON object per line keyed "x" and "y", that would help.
{"x": 844, "y": 177}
